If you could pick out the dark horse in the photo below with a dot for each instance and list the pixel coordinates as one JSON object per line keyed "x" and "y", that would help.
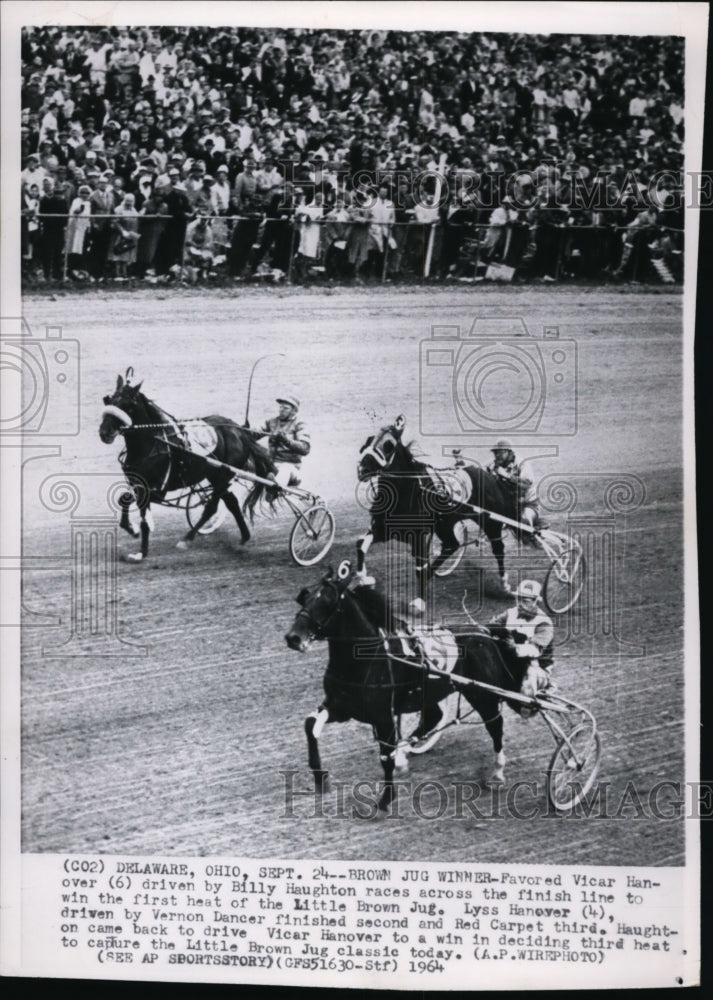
{"x": 363, "y": 683}
{"x": 411, "y": 500}
{"x": 158, "y": 459}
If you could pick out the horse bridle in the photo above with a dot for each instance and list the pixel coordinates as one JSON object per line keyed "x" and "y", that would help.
{"x": 375, "y": 446}
{"x": 317, "y": 629}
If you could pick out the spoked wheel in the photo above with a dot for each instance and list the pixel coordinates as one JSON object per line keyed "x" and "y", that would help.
{"x": 465, "y": 532}
{"x": 574, "y": 767}
{"x": 195, "y": 505}
{"x": 564, "y": 581}
{"x": 312, "y": 535}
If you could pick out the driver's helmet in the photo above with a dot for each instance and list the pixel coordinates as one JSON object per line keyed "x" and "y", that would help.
{"x": 528, "y": 596}
{"x": 504, "y": 447}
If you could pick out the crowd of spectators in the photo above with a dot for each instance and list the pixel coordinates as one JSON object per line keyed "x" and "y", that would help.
{"x": 153, "y": 153}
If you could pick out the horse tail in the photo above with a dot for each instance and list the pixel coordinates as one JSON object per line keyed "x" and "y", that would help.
{"x": 259, "y": 494}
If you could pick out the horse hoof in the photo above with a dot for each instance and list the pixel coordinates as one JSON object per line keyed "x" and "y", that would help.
{"x": 182, "y": 545}
{"x": 245, "y": 539}
{"x": 496, "y": 780}
{"x": 134, "y": 557}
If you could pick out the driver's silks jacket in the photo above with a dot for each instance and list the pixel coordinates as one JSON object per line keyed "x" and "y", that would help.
{"x": 519, "y": 477}
{"x": 533, "y": 637}
{"x": 298, "y": 444}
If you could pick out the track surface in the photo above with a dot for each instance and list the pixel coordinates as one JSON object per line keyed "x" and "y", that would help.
{"x": 180, "y": 751}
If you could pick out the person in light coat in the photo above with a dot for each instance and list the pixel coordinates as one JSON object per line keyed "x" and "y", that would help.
{"x": 78, "y": 226}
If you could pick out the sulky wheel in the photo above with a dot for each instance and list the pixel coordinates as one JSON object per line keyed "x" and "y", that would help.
{"x": 464, "y": 532}
{"x": 564, "y": 581}
{"x": 574, "y": 767}
{"x": 312, "y": 535}
{"x": 195, "y": 505}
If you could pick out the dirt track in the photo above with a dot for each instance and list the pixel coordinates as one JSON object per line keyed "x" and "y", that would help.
{"x": 180, "y": 751}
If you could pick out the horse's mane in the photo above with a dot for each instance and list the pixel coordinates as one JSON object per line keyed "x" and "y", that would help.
{"x": 152, "y": 406}
{"x": 376, "y": 607}
{"x": 411, "y": 454}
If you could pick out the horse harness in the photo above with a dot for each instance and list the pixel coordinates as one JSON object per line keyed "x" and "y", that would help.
{"x": 189, "y": 444}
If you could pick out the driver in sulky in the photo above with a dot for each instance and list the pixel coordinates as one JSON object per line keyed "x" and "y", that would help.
{"x": 527, "y": 633}
{"x": 289, "y": 441}
{"x": 516, "y": 477}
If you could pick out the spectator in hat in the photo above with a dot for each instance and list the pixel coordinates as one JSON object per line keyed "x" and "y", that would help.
{"x": 199, "y": 245}
{"x": 380, "y": 228}
{"x": 245, "y": 204}
{"x": 159, "y": 155}
{"x": 278, "y": 229}
{"x": 30, "y": 227}
{"x": 179, "y": 211}
{"x": 33, "y": 173}
{"x": 125, "y": 237}
{"x": 194, "y": 185}
{"x": 53, "y": 213}
{"x": 78, "y": 227}
{"x": 308, "y": 218}
{"x": 267, "y": 179}
{"x": 220, "y": 192}
{"x": 102, "y": 201}
{"x": 499, "y": 235}
{"x": 96, "y": 61}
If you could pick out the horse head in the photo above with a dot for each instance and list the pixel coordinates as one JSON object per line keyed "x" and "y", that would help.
{"x": 120, "y": 408}
{"x": 379, "y": 451}
{"x": 320, "y": 608}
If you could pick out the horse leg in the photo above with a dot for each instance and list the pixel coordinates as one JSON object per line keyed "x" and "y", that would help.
{"x": 498, "y": 547}
{"x": 233, "y": 505}
{"x": 146, "y": 525}
{"x": 314, "y": 724}
{"x": 125, "y": 502}
{"x": 208, "y": 511}
{"x": 492, "y": 715}
{"x": 388, "y": 740}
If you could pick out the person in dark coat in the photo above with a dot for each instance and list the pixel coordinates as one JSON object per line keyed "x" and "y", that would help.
{"x": 52, "y": 204}
{"x": 179, "y": 210}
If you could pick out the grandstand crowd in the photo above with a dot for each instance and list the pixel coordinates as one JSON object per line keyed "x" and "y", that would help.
{"x": 164, "y": 153}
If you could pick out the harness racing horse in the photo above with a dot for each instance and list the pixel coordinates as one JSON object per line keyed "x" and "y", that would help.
{"x": 158, "y": 459}
{"x": 410, "y": 500}
{"x": 363, "y": 683}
